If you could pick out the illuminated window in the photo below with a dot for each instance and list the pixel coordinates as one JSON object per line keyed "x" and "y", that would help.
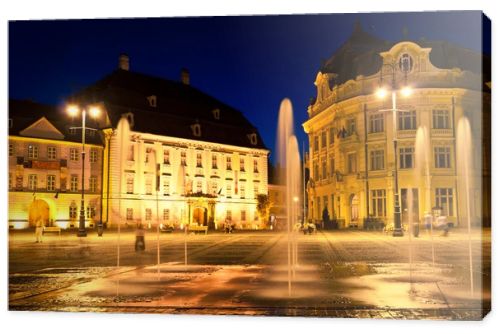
{"x": 352, "y": 165}
{"x": 149, "y": 186}
{"x": 152, "y": 101}
{"x": 243, "y": 215}
{"x": 444, "y": 200}
{"x": 166, "y": 187}
{"x": 377, "y": 160}
{"x": 229, "y": 190}
{"x": 378, "y": 203}
{"x": 196, "y": 128}
{"x": 51, "y": 182}
{"x": 215, "y": 187}
{"x": 216, "y": 113}
{"x": 255, "y": 191}
{"x": 242, "y": 191}
{"x": 214, "y": 161}
{"x": 198, "y": 160}
{"x": 228, "y": 163}
{"x": 73, "y": 211}
{"x": 93, "y": 155}
{"x": 405, "y": 63}
{"x": 93, "y": 184}
{"x": 440, "y": 119}
{"x": 255, "y": 166}
{"x": 51, "y": 153}
{"x": 130, "y": 214}
{"x": 130, "y": 185}
{"x": 32, "y": 181}
{"x": 166, "y": 214}
{"x": 91, "y": 211}
{"x": 242, "y": 164}
{"x": 32, "y": 152}
{"x": 183, "y": 158}
{"x": 442, "y": 157}
{"x": 199, "y": 186}
{"x": 376, "y": 123}
{"x": 74, "y": 183}
{"x": 148, "y": 214}
{"x": 73, "y": 154}
{"x": 166, "y": 157}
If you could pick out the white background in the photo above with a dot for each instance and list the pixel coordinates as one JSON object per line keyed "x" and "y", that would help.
{"x": 40, "y": 322}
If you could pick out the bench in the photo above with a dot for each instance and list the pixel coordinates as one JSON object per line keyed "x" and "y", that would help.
{"x": 52, "y": 229}
{"x": 198, "y": 229}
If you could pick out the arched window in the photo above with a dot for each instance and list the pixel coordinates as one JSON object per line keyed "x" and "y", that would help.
{"x": 405, "y": 63}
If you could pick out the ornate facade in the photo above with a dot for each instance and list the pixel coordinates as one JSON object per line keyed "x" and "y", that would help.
{"x": 351, "y": 131}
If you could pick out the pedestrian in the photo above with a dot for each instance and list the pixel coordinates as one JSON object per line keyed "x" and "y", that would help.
{"x": 39, "y": 230}
{"x": 326, "y": 218}
{"x": 140, "y": 243}
{"x": 442, "y": 224}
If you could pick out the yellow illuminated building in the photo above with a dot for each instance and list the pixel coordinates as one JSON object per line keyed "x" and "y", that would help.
{"x": 351, "y": 130}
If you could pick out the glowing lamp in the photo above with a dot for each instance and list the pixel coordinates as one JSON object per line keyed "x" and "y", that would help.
{"x": 406, "y": 91}
{"x": 72, "y": 110}
{"x": 94, "y": 112}
{"x": 381, "y": 92}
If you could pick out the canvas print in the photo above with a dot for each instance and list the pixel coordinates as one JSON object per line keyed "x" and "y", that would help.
{"x": 333, "y": 165}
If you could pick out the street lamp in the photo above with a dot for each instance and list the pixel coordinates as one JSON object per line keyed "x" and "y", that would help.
{"x": 381, "y": 93}
{"x": 73, "y": 111}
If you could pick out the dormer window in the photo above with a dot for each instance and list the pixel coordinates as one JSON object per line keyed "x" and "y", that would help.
{"x": 196, "y": 128}
{"x": 152, "y": 101}
{"x": 216, "y": 113}
{"x": 405, "y": 63}
{"x": 253, "y": 138}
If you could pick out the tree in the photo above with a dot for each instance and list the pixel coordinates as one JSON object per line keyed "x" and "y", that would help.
{"x": 263, "y": 207}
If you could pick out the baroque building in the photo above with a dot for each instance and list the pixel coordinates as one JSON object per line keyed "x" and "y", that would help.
{"x": 174, "y": 155}
{"x": 45, "y": 171}
{"x": 352, "y": 129}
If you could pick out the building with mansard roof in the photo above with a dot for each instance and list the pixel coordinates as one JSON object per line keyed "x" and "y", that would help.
{"x": 351, "y": 132}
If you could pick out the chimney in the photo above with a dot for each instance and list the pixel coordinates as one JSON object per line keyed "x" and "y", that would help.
{"x": 185, "y": 76}
{"x": 124, "y": 62}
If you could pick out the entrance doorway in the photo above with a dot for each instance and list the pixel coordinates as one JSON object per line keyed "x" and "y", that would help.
{"x": 409, "y": 196}
{"x": 354, "y": 204}
{"x": 38, "y": 210}
{"x": 200, "y": 216}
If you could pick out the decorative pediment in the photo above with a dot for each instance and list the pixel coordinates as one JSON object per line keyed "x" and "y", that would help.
{"x": 42, "y": 129}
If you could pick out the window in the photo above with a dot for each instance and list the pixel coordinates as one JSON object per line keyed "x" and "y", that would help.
{"x": 378, "y": 203}
{"x": 316, "y": 144}
{"x": 166, "y": 157}
{"x": 243, "y": 215}
{"x": 332, "y": 167}
{"x": 183, "y": 158}
{"x": 214, "y": 161}
{"x": 377, "y": 160}
{"x": 149, "y": 186}
{"x": 332, "y": 135}
{"x": 51, "y": 182}
{"x": 325, "y": 202}
{"x": 229, "y": 215}
{"x": 32, "y": 181}
{"x": 255, "y": 191}
{"x": 73, "y": 212}
{"x": 440, "y": 119}
{"x": 73, "y": 154}
{"x": 196, "y": 128}
{"x": 166, "y": 187}
{"x": 242, "y": 191}
{"x": 73, "y": 183}
{"x": 228, "y": 163}
{"x": 323, "y": 139}
{"x": 93, "y": 184}
{"x": 166, "y": 214}
{"x": 130, "y": 156}
{"x": 130, "y": 185}
{"x": 10, "y": 181}
{"x": 32, "y": 152}
{"x": 152, "y": 101}
{"x": 407, "y": 120}
{"x": 198, "y": 160}
{"x": 405, "y": 63}
{"x": 406, "y": 157}
{"x": 444, "y": 200}
{"x": 51, "y": 153}
{"x": 11, "y": 150}
{"x": 442, "y": 157}
{"x": 242, "y": 164}
{"x": 199, "y": 186}
{"x": 318, "y": 206}
{"x": 352, "y": 163}
{"x": 255, "y": 166}
{"x": 93, "y": 155}
{"x": 376, "y": 123}
{"x": 91, "y": 211}
{"x": 351, "y": 126}
{"x": 148, "y": 215}
{"x": 323, "y": 168}
{"x": 216, "y": 113}
{"x": 229, "y": 190}
{"x": 215, "y": 187}
{"x": 130, "y": 214}
{"x": 316, "y": 172}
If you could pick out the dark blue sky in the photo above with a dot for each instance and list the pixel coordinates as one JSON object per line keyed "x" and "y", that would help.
{"x": 250, "y": 62}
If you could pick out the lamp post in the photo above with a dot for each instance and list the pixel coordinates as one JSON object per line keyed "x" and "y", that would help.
{"x": 381, "y": 93}
{"x": 73, "y": 110}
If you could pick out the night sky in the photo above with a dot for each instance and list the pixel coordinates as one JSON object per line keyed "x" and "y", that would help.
{"x": 250, "y": 63}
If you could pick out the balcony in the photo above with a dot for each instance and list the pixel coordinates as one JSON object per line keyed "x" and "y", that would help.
{"x": 441, "y": 132}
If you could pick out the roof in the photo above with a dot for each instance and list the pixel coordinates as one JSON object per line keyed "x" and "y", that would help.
{"x": 178, "y": 107}
{"x": 23, "y": 113}
{"x": 360, "y": 55}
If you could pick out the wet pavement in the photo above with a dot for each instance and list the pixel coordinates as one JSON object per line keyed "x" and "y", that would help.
{"x": 339, "y": 274}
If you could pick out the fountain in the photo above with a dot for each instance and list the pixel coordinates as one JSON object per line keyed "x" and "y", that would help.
{"x": 422, "y": 165}
{"x": 464, "y": 163}
{"x": 288, "y": 155}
